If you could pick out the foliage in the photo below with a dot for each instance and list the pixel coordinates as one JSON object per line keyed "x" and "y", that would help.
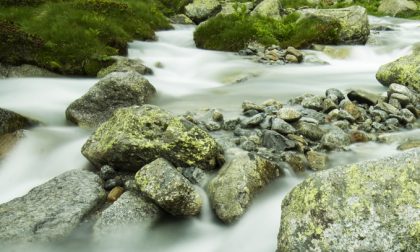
{"x": 234, "y": 32}
{"x": 78, "y": 35}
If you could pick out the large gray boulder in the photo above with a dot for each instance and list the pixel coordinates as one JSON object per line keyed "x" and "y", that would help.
{"x": 404, "y": 71}
{"x": 168, "y": 188}
{"x": 11, "y": 122}
{"x": 200, "y": 10}
{"x": 135, "y": 136}
{"x": 238, "y": 181}
{"x": 116, "y": 90}
{"x": 353, "y": 21}
{"x": 53, "y": 210}
{"x": 368, "y": 206}
{"x": 124, "y": 64}
{"x": 130, "y": 210}
{"x": 396, "y": 7}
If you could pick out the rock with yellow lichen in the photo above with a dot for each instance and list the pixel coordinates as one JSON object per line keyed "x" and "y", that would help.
{"x": 368, "y": 206}
{"x": 135, "y": 136}
{"x": 404, "y": 71}
{"x": 239, "y": 180}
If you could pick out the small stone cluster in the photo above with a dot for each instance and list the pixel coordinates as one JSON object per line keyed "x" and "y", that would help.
{"x": 272, "y": 55}
{"x": 298, "y": 134}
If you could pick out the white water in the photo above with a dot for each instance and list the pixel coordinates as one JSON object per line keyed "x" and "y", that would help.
{"x": 192, "y": 79}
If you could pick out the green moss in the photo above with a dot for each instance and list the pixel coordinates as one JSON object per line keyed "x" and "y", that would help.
{"x": 78, "y": 36}
{"x": 234, "y": 32}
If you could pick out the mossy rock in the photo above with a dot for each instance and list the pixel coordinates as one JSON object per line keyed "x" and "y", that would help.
{"x": 404, "y": 71}
{"x": 368, "y": 206}
{"x": 11, "y": 122}
{"x": 135, "y": 136}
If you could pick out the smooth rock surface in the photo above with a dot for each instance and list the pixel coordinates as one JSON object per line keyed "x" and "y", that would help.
{"x": 53, "y": 210}
{"x": 123, "y": 64}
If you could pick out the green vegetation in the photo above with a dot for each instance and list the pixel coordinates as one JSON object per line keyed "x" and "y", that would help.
{"x": 74, "y": 37}
{"x": 371, "y": 6}
{"x": 234, "y": 32}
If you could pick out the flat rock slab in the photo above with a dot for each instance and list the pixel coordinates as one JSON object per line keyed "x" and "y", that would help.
{"x": 52, "y": 210}
{"x": 368, "y": 206}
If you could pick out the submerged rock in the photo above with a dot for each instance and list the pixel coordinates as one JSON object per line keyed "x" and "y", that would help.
{"x": 404, "y": 71}
{"x": 368, "y": 206}
{"x": 353, "y": 21}
{"x": 136, "y": 136}
{"x": 114, "y": 91}
{"x": 123, "y": 64}
{"x": 168, "y": 188}
{"x": 130, "y": 210}
{"x": 52, "y": 210}
{"x": 11, "y": 122}
{"x": 236, "y": 184}
{"x": 25, "y": 71}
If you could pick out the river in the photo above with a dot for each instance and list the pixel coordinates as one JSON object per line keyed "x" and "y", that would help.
{"x": 192, "y": 79}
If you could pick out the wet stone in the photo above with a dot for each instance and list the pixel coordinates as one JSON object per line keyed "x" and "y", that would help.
{"x": 275, "y": 141}
{"x": 250, "y": 122}
{"x": 250, "y": 112}
{"x": 289, "y": 114}
{"x": 309, "y": 130}
{"x": 328, "y": 105}
{"x": 335, "y": 139}
{"x": 114, "y": 182}
{"x": 313, "y": 102}
{"x": 248, "y": 105}
{"x": 230, "y": 124}
{"x": 334, "y": 94}
{"x": 396, "y": 103}
{"x": 107, "y": 172}
{"x": 282, "y": 126}
{"x": 402, "y": 99}
{"x": 317, "y": 160}
{"x": 297, "y": 161}
{"x": 115, "y": 193}
{"x": 359, "y": 136}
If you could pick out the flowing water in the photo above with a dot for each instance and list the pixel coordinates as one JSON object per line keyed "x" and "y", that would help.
{"x": 191, "y": 79}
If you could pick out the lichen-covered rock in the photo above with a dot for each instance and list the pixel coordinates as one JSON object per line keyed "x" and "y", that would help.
{"x": 229, "y": 8}
{"x": 404, "y": 71}
{"x": 200, "y": 10}
{"x": 354, "y": 24}
{"x": 236, "y": 184}
{"x": 396, "y": 7}
{"x": 123, "y": 64}
{"x": 11, "y": 122}
{"x": 116, "y": 90}
{"x": 368, "y": 206}
{"x": 135, "y": 136}
{"x": 267, "y": 8}
{"x": 52, "y": 210}
{"x": 168, "y": 188}
{"x": 131, "y": 209}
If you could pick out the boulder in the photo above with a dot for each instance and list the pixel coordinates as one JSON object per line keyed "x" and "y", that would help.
{"x": 236, "y": 184}
{"x": 11, "y": 122}
{"x": 123, "y": 64}
{"x": 116, "y": 90}
{"x": 135, "y": 136}
{"x": 397, "y": 7}
{"x": 168, "y": 188}
{"x": 267, "y": 8}
{"x": 404, "y": 71}
{"x": 130, "y": 210}
{"x": 368, "y": 206}
{"x": 181, "y": 19}
{"x": 201, "y": 10}
{"x": 24, "y": 71}
{"x": 53, "y": 210}
{"x": 353, "y": 21}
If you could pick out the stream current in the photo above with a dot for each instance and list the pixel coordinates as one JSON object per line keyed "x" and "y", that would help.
{"x": 193, "y": 79}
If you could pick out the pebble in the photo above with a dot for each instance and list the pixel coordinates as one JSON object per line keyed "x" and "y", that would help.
{"x": 115, "y": 193}
{"x": 289, "y": 114}
{"x": 107, "y": 172}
